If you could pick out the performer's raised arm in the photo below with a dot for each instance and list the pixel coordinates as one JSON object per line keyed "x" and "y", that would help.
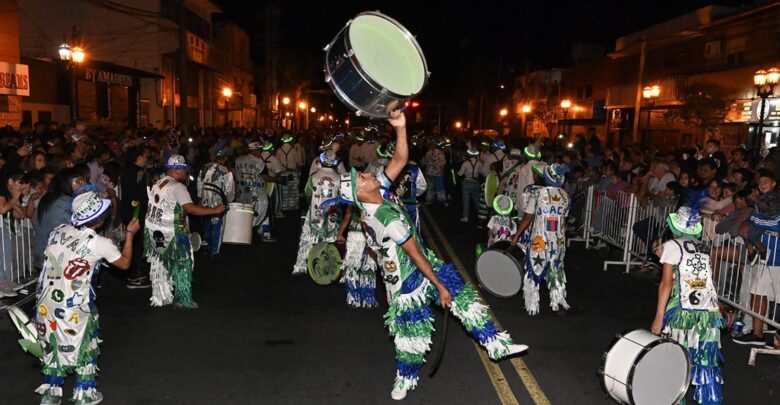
{"x": 401, "y": 155}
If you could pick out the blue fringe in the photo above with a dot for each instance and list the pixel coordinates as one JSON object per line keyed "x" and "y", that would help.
{"x": 450, "y": 277}
{"x": 86, "y": 384}
{"x": 408, "y": 370}
{"x": 53, "y": 380}
{"x": 708, "y": 383}
{"x": 412, "y": 282}
{"x": 486, "y": 334}
{"x": 414, "y": 315}
{"x": 363, "y": 295}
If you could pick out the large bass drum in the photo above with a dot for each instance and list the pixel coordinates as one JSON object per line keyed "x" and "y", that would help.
{"x": 498, "y": 271}
{"x": 374, "y": 64}
{"x": 641, "y": 368}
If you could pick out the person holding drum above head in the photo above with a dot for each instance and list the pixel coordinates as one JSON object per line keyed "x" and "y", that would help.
{"x": 215, "y": 174}
{"x": 167, "y": 236}
{"x": 251, "y": 176}
{"x": 414, "y": 276}
{"x": 687, "y": 307}
{"x": 322, "y": 220}
{"x": 545, "y": 211}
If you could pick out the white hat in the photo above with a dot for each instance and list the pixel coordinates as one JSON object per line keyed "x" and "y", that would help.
{"x": 87, "y": 207}
{"x": 176, "y": 162}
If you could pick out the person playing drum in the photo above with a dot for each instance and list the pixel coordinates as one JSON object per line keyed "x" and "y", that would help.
{"x": 217, "y": 174}
{"x": 545, "y": 211}
{"x": 687, "y": 307}
{"x": 67, "y": 317}
{"x": 502, "y": 226}
{"x": 413, "y": 275}
{"x": 322, "y": 220}
{"x": 167, "y": 236}
{"x": 251, "y": 175}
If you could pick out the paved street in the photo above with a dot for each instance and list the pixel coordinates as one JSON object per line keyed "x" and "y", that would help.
{"x": 261, "y": 336}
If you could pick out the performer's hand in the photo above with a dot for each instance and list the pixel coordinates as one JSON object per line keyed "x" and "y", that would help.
{"x": 397, "y": 119}
{"x": 341, "y": 239}
{"x": 657, "y": 327}
{"x": 445, "y": 298}
{"x": 219, "y": 209}
{"x": 133, "y": 226}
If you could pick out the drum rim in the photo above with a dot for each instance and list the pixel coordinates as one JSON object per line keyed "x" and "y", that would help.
{"x": 637, "y": 359}
{"x": 482, "y": 284}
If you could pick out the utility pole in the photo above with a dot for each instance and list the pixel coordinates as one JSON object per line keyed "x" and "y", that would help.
{"x": 182, "y": 68}
{"x": 638, "y": 98}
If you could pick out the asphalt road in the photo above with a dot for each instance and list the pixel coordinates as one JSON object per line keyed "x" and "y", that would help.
{"x": 264, "y": 337}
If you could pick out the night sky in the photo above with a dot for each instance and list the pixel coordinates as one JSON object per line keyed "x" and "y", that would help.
{"x": 468, "y": 45}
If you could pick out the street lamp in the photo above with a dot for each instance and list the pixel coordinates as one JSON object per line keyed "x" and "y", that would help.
{"x": 565, "y": 104}
{"x": 286, "y": 100}
{"x": 525, "y": 109}
{"x": 72, "y": 56}
{"x": 227, "y": 92}
{"x": 458, "y": 125}
{"x": 649, "y": 94}
{"x": 765, "y": 81}
{"x": 78, "y": 54}
{"x": 313, "y": 110}
{"x": 503, "y": 112}
{"x": 64, "y": 51}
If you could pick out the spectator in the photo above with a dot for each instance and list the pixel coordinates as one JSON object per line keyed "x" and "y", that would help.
{"x": 54, "y": 209}
{"x": 712, "y": 148}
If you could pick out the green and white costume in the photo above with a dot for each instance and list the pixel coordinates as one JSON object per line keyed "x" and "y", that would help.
{"x": 409, "y": 317}
{"x": 359, "y": 267}
{"x": 167, "y": 243}
{"x": 67, "y": 317}
{"x": 251, "y": 186}
{"x": 319, "y": 226}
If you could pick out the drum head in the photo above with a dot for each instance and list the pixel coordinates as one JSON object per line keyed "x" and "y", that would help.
{"x": 324, "y": 263}
{"x": 499, "y": 273}
{"x": 662, "y": 375}
{"x": 388, "y": 53}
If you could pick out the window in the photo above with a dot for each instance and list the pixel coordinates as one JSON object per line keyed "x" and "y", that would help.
{"x": 589, "y": 91}
{"x": 735, "y": 51}
{"x": 27, "y": 117}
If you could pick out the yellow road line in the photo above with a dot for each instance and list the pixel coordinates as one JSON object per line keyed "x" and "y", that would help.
{"x": 534, "y": 390}
{"x": 497, "y": 377}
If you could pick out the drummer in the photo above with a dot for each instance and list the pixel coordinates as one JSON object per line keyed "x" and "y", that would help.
{"x": 688, "y": 303}
{"x": 270, "y": 172}
{"x": 291, "y": 158}
{"x": 219, "y": 175}
{"x": 414, "y": 277}
{"x": 501, "y": 227}
{"x": 251, "y": 176}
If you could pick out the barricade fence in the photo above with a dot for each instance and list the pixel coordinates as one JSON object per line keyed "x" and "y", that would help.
{"x": 634, "y": 227}
{"x": 16, "y": 270}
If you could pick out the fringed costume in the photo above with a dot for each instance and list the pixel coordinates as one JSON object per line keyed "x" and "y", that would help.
{"x": 359, "y": 268}
{"x": 321, "y": 223}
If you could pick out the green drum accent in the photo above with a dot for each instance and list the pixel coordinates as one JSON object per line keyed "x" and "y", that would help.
{"x": 324, "y": 263}
{"x": 387, "y": 54}
{"x": 491, "y": 185}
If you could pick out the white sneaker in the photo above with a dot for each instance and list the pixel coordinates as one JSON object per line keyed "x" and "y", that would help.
{"x": 398, "y": 393}
{"x": 516, "y": 349}
{"x": 464, "y": 220}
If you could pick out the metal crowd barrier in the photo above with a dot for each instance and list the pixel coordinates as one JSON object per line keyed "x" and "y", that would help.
{"x": 16, "y": 237}
{"x": 581, "y": 197}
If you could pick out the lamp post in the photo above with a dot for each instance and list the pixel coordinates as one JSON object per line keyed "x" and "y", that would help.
{"x": 649, "y": 94}
{"x": 287, "y": 121}
{"x": 565, "y": 104}
{"x": 525, "y": 110}
{"x": 765, "y": 81}
{"x": 303, "y": 106}
{"x": 72, "y": 56}
{"x": 227, "y": 92}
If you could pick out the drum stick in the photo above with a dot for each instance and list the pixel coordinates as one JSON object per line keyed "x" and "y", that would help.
{"x": 440, "y": 351}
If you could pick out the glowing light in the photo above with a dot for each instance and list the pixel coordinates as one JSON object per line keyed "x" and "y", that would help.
{"x": 503, "y": 112}
{"x": 526, "y": 109}
{"x": 313, "y": 110}
{"x": 78, "y": 55}
{"x": 65, "y": 51}
{"x": 286, "y": 100}
{"x": 302, "y": 105}
{"x": 458, "y": 124}
{"x": 566, "y": 104}
{"x": 227, "y": 92}
{"x": 570, "y": 145}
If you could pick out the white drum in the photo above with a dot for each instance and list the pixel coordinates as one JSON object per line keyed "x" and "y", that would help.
{"x": 644, "y": 369}
{"x": 499, "y": 273}
{"x": 237, "y": 228}
{"x": 374, "y": 64}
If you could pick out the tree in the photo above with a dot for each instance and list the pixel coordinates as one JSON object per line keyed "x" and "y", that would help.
{"x": 703, "y": 105}
{"x": 546, "y": 112}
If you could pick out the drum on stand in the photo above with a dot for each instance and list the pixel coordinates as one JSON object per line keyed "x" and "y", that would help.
{"x": 238, "y": 224}
{"x": 499, "y": 272}
{"x": 374, "y": 65}
{"x": 642, "y": 368}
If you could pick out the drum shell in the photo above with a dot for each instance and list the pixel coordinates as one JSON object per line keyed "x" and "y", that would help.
{"x": 617, "y": 374}
{"x": 352, "y": 85}
{"x": 238, "y": 224}
{"x": 501, "y": 282}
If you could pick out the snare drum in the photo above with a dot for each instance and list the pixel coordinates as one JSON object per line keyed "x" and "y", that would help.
{"x": 374, "y": 64}
{"x": 641, "y": 368}
{"x": 499, "y": 272}
{"x": 238, "y": 224}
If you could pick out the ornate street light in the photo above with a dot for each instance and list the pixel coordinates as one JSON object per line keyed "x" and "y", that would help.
{"x": 765, "y": 81}
{"x": 565, "y": 104}
{"x": 78, "y": 55}
{"x": 286, "y": 100}
{"x": 65, "y": 51}
{"x": 227, "y": 92}
{"x": 526, "y": 108}
{"x": 650, "y": 94}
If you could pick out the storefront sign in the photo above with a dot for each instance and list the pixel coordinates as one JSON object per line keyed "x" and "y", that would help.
{"x": 14, "y": 79}
{"x": 197, "y": 48}
{"x": 748, "y": 110}
{"x": 10, "y": 110}
{"x": 103, "y": 76}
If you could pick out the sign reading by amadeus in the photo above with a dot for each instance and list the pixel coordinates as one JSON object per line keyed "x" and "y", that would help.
{"x": 14, "y": 79}
{"x": 104, "y": 76}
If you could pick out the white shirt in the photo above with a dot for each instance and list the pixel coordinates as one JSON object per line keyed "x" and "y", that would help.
{"x": 656, "y": 185}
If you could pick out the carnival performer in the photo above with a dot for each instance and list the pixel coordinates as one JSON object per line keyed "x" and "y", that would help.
{"x": 469, "y": 170}
{"x": 494, "y": 159}
{"x": 217, "y": 174}
{"x": 687, "y": 307}
{"x": 414, "y": 276}
{"x": 167, "y": 236}
{"x": 501, "y": 226}
{"x": 272, "y": 169}
{"x": 250, "y": 176}
{"x": 67, "y": 316}
{"x": 290, "y": 158}
{"x": 515, "y": 180}
{"x": 327, "y": 145}
{"x": 358, "y": 267}
{"x": 545, "y": 211}
{"x": 319, "y": 226}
